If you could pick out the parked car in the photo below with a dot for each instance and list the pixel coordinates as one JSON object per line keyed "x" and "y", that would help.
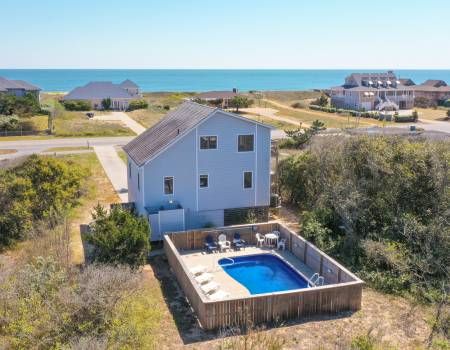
{"x": 90, "y": 114}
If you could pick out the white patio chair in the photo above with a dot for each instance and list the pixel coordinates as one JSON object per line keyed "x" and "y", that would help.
{"x": 210, "y": 287}
{"x": 224, "y": 244}
{"x": 259, "y": 240}
{"x": 219, "y": 295}
{"x": 197, "y": 270}
{"x": 281, "y": 244}
{"x": 204, "y": 278}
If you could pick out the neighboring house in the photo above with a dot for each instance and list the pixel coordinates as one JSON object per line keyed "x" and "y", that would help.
{"x": 373, "y": 91}
{"x": 433, "y": 90}
{"x": 95, "y": 92}
{"x": 222, "y": 98}
{"x": 200, "y": 166}
{"x": 18, "y": 88}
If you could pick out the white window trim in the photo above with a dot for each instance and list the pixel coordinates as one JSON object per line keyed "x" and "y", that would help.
{"x": 164, "y": 185}
{"x": 237, "y": 143}
{"x": 208, "y": 149}
{"x": 203, "y": 174}
{"x": 243, "y": 180}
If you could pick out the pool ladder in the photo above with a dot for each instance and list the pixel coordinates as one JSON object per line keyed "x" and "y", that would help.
{"x": 316, "y": 280}
{"x": 232, "y": 261}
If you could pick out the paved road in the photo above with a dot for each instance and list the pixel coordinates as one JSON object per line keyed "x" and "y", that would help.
{"x": 125, "y": 119}
{"x": 26, "y": 147}
{"x": 115, "y": 169}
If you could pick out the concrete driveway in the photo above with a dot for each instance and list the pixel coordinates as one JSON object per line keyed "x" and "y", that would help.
{"x": 115, "y": 169}
{"x": 124, "y": 118}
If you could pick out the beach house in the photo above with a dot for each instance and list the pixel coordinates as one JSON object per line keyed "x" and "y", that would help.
{"x": 435, "y": 91}
{"x": 200, "y": 166}
{"x": 218, "y": 98}
{"x": 373, "y": 91}
{"x": 18, "y": 88}
{"x": 95, "y": 92}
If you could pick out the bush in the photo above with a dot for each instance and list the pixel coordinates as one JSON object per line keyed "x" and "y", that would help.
{"x": 119, "y": 237}
{"x": 322, "y": 101}
{"x": 106, "y": 103}
{"x": 298, "y": 105}
{"x": 77, "y": 105}
{"x": 166, "y": 107}
{"x": 423, "y": 102}
{"x": 9, "y": 122}
{"x": 137, "y": 104}
{"x": 22, "y": 106}
{"x": 446, "y": 103}
{"x": 240, "y": 102}
{"x": 38, "y": 191}
{"x": 380, "y": 205}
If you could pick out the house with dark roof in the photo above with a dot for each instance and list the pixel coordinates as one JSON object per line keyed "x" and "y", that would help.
{"x": 199, "y": 166}
{"x": 18, "y": 88}
{"x": 433, "y": 90}
{"x": 219, "y": 98}
{"x": 373, "y": 91}
{"x": 95, "y": 92}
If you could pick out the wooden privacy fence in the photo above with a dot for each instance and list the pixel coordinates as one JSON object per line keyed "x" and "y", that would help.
{"x": 342, "y": 291}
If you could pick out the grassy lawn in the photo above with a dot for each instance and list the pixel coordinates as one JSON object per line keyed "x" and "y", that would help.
{"x": 432, "y": 114}
{"x": 289, "y": 97}
{"x": 276, "y": 123}
{"x": 71, "y": 148}
{"x": 156, "y": 111}
{"x": 122, "y": 155}
{"x": 76, "y": 124}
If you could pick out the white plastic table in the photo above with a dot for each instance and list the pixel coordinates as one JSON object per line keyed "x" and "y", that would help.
{"x": 271, "y": 239}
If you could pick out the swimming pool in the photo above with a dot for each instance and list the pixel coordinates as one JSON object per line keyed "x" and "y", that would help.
{"x": 263, "y": 273}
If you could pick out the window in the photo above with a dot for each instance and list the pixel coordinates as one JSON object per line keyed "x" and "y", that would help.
{"x": 139, "y": 183}
{"x": 248, "y": 179}
{"x": 208, "y": 142}
{"x": 245, "y": 143}
{"x": 204, "y": 181}
{"x": 168, "y": 185}
{"x": 129, "y": 169}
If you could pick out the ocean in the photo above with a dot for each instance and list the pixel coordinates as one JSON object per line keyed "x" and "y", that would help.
{"x": 152, "y": 80}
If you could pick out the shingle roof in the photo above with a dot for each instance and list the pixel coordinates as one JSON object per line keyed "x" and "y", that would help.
{"x": 406, "y": 81}
{"x": 6, "y": 84}
{"x": 175, "y": 124}
{"x": 26, "y": 85}
{"x": 216, "y": 95}
{"x": 434, "y": 83}
{"x": 128, "y": 84}
{"x": 97, "y": 90}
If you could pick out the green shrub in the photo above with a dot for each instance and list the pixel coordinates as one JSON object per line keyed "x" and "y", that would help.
{"x": 446, "y": 103}
{"x": 138, "y": 104}
{"x": 9, "y": 122}
{"x": 240, "y": 102}
{"x": 322, "y": 101}
{"x": 119, "y": 237}
{"x": 39, "y": 190}
{"x": 106, "y": 103}
{"x": 380, "y": 205}
{"x": 166, "y": 107}
{"x": 22, "y": 106}
{"x": 297, "y": 105}
{"x": 77, "y": 105}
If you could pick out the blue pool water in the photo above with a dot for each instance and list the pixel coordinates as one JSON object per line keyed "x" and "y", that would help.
{"x": 263, "y": 273}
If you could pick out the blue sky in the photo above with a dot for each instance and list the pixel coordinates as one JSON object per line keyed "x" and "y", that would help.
{"x": 225, "y": 34}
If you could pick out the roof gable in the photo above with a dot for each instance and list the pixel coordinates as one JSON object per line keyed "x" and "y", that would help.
{"x": 98, "y": 90}
{"x": 6, "y": 84}
{"x": 128, "y": 84}
{"x": 172, "y": 128}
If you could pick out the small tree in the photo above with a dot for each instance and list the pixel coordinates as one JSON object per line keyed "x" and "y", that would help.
{"x": 106, "y": 103}
{"x": 300, "y": 136}
{"x": 119, "y": 237}
{"x": 321, "y": 101}
{"x": 240, "y": 102}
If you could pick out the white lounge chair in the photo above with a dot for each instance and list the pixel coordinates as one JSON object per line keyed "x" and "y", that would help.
{"x": 204, "y": 278}
{"x": 223, "y": 243}
{"x": 210, "y": 287}
{"x": 260, "y": 240}
{"x": 281, "y": 244}
{"x": 219, "y": 295}
{"x": 197, "y": 270}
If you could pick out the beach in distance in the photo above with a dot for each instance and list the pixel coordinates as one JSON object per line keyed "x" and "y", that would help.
{"x": 152, "y": 80}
